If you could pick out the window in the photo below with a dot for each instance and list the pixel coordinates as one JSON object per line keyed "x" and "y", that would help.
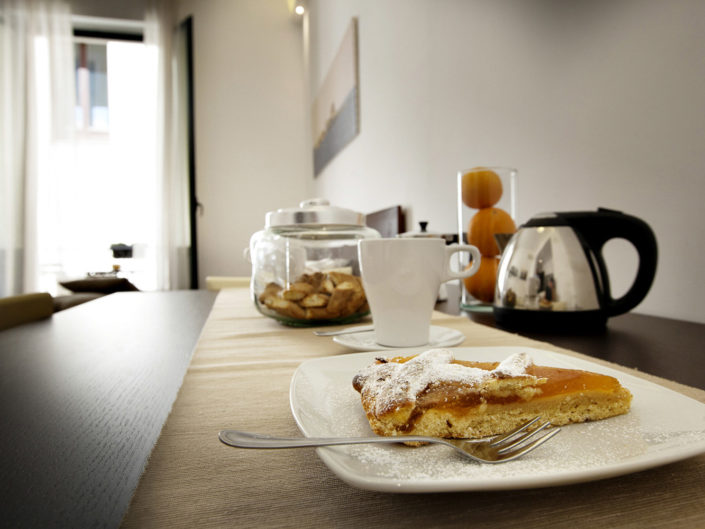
{"x": 101, "y": 187}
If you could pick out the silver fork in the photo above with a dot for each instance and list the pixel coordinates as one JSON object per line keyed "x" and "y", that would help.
{"x": 498, "y": 449}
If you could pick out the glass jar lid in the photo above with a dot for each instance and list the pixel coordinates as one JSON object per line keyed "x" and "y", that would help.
{"x": 314, "y": 211}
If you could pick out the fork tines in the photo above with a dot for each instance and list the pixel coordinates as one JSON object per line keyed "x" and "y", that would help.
{"x": 519, "y": 440}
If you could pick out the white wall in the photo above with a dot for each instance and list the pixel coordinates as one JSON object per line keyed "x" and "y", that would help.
{"x": 597, "y": 103}
{"x": 252, "y": 148}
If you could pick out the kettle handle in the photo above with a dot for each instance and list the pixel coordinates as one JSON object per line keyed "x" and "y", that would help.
{"x": 596, "y": 228}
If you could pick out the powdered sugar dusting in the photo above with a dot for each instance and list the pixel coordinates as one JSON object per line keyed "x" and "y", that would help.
{"x": 514, "y": 366}
{"x": 394, "y": 382}
{"x": 439, "y": 464}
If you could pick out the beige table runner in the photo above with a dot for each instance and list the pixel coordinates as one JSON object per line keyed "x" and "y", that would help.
{"x": 239, "y": 378}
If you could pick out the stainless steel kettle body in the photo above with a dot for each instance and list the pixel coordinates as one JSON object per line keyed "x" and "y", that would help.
{"x": 552, "y": 274}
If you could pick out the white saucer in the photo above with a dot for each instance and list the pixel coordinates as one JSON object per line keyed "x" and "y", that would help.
{"x": 365, "y": 340}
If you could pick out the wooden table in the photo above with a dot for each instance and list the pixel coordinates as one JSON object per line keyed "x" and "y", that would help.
{"x": 239, "y": 378}
{"x": 83, "y": 397}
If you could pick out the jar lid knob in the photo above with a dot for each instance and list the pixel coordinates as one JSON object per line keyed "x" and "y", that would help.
{"x": 314, "y": 202}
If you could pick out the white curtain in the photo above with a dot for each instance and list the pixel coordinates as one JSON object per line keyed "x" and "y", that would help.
{"x": 172, "y": 130}
{"x": 36, "y": 101}
{"x": 41, "y": 163}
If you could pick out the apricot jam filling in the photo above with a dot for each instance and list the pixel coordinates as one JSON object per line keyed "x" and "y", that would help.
{"x": 559, "y": 380}
{"x": 455, "y": 396}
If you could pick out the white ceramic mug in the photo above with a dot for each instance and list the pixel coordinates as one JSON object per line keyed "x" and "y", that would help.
{"x": 401, "y": 278}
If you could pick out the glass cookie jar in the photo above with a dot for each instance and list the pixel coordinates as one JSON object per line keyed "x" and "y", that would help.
{"x": 305, "y": 268}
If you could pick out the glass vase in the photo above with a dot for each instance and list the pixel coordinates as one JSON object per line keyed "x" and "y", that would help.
{"x": 486, "y": 219}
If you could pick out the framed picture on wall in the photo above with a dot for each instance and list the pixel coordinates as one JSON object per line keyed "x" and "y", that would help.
{"x": 335, "y": 116}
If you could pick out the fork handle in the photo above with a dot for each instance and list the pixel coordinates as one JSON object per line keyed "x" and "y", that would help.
{"x": 349, "y": 330}
{"x": 252, "y": 440}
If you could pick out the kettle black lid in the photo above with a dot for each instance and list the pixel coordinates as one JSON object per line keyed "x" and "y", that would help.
{"x": 567, "y": 218}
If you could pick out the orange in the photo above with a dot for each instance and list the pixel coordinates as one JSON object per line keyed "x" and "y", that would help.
{"x": 484, "y": 224}
{"x": 481, "y": 188}
{"x": 481, "y": 285}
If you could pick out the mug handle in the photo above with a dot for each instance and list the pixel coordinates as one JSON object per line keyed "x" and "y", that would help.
{"x": 454, "y": 248}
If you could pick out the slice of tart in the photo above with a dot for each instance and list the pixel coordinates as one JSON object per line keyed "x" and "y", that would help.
{"x": 433, "y": 394}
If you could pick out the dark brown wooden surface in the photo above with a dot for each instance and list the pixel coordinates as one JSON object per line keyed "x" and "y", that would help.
{"x": 83, "y": 397}
{"x": 664, "y": 347}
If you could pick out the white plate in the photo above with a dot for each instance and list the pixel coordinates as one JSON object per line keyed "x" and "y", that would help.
{"x": 365, "y": 340}
{"x": 662, "y": 427}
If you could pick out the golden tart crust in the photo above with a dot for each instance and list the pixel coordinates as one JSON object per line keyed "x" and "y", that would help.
{"x": 433, "y": 394}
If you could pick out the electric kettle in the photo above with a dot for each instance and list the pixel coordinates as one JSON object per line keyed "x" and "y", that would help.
{"x": 552, "y": 275}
